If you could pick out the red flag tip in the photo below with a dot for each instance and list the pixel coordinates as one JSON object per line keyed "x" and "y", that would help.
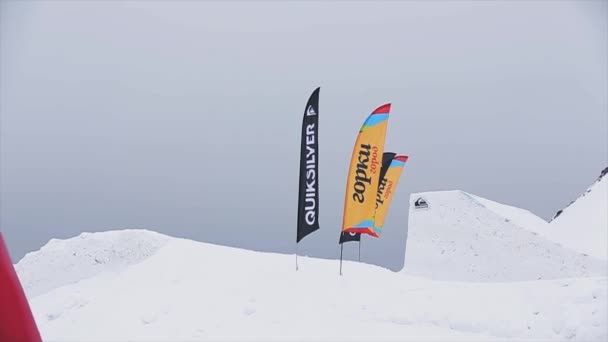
{"x": 384, "y": 109}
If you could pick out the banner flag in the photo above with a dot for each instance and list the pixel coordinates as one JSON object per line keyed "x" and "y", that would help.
{"x": 364, "y": 173}
{"x": 308, "y": 196}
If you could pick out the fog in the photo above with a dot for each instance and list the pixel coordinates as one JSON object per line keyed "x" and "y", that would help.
{"x": 184, "y": 117}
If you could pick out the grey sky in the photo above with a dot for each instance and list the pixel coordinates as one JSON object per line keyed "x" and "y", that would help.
{"x": 184, "y": 117}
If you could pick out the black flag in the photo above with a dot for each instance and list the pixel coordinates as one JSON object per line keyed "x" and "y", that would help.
{"x": 387, "y": 157}
{"x": 308, "y": 197}
{"x": 347, "y": 237}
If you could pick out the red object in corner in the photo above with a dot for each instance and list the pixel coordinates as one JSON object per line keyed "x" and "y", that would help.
{"x": 16, "y": 320}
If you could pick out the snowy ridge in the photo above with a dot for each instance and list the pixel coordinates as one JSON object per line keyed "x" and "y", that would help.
{"x": 464, "y": 237}
{"x": 194, "y": 291}
{"x": 517, "y": 216}
{"x": 583, "y": 225}
{"x": 62, "y": 262}
{"x": 602, "y": 174}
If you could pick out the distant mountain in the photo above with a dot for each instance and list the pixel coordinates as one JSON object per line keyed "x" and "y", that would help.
{"x": 583, "y": 224}
{"x": 602, "y": 174}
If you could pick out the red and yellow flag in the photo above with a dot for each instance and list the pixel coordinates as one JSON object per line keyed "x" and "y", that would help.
{"x": 364, "y": 173}
{"x": 385, "y": 191}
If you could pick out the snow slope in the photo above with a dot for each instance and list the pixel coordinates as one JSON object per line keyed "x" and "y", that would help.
{"x": 62, "y": 262}
{"x": 188, "y": 290}
{"x": 465, "y": 237}
{"x": 583, "y": 225}
{"x": 517, "y": 216}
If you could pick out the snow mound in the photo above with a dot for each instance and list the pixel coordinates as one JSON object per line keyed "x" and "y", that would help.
{"x": 62, "y": 262}
{"x": 465, "y": 237}
{"x": 583, "y": 225}
{"x": 195, "y": 291}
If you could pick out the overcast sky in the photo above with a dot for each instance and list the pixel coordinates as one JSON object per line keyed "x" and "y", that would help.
{"x": 185, "y": 117}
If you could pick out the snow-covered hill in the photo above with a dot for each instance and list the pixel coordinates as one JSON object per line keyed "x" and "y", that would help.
{"x": 62, "y": 262}
{"x": 185, "y": 290}
{"x": 583, "y": 225}
{"x": 474, "y": 269}
{"x": 465, "y": 237}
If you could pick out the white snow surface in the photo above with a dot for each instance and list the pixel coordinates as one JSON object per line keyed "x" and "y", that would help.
{"x": 583, "y": 225}
{"x": 62, "y": 262}
{"x": 516, "y": 216}
{"x": 182, "y": 290}
{"x": 469, "y": 238}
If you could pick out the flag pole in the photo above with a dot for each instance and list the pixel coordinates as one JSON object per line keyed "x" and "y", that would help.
{"x": 341, "y": 249}
{"x": 296, "y": 256}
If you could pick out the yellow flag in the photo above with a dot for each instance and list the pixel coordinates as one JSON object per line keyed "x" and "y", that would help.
{"x": 364, "y": 173}
{"x": 385, "y": 191}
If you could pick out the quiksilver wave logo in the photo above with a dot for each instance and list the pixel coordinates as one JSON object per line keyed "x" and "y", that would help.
{"x": 310, "y": 111}
{"x": 310, "y": 201}
{"x": 421, "y": 203}
{"x": 367, "y": 159}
